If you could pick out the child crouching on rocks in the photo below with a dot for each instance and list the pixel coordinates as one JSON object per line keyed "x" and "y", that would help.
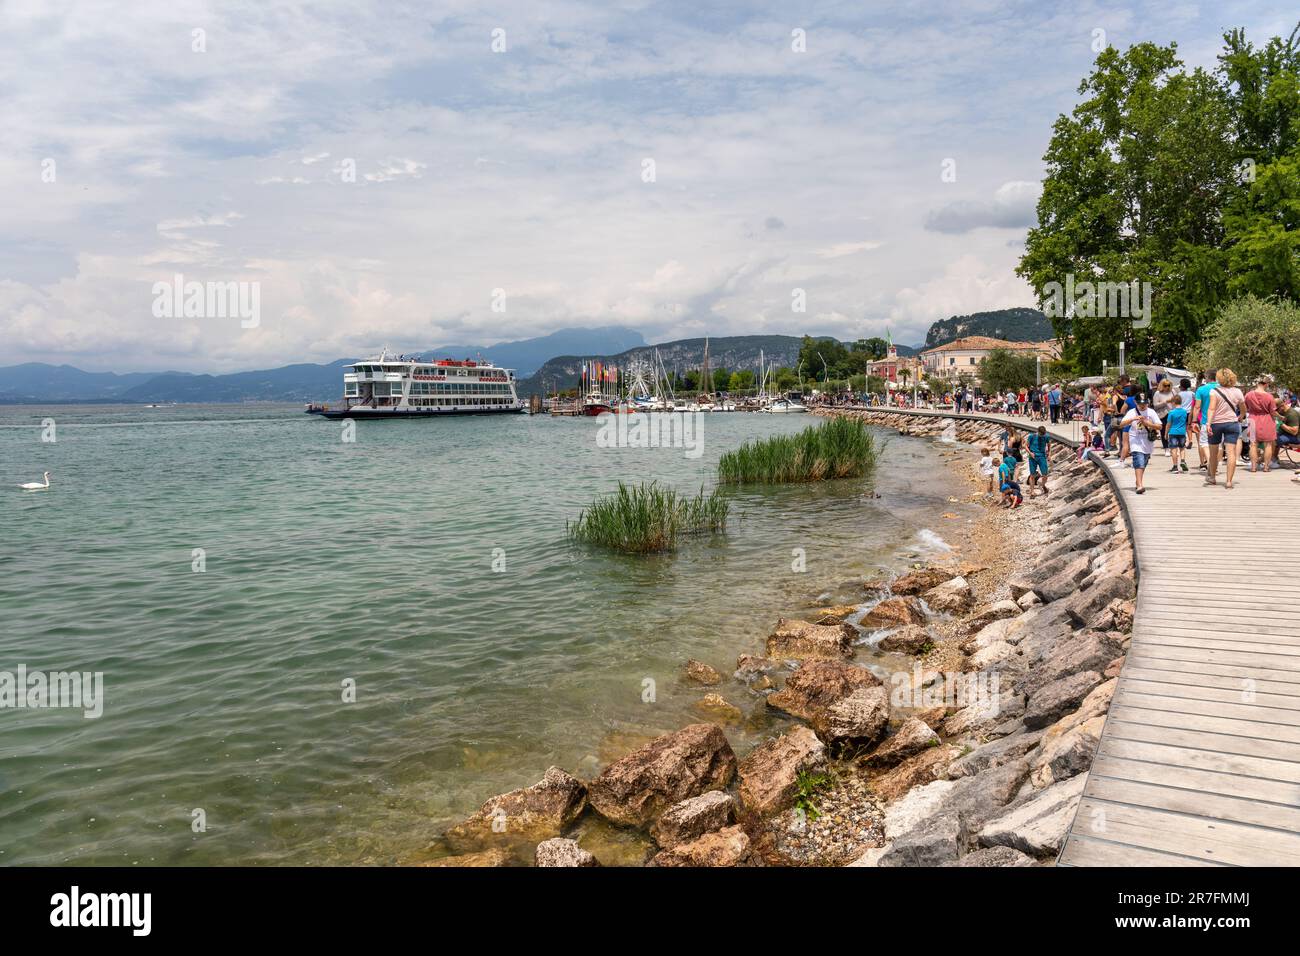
{"x": 1010, "y": 488}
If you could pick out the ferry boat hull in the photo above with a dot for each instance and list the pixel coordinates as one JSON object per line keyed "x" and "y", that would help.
{"x": 355, "y": 413}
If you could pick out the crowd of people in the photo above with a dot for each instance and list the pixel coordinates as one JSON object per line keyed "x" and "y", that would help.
{"x": 1205, "y": 425}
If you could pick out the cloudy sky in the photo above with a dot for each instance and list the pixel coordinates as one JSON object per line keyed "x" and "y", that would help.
{"x": 136, "y": 149}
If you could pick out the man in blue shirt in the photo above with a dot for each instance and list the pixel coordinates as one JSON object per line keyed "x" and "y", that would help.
{"x": 1037, "y": 444}
{"x": 1054, "y": 403}
{"x": 1201, "y": 411}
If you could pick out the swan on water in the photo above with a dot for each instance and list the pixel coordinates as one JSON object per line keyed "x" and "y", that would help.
{"x": 36, "y": 485}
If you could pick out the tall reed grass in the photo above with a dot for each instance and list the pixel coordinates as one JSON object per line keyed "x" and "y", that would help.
{"x": 837, "y": 448}
{"x": 645, "y": 518}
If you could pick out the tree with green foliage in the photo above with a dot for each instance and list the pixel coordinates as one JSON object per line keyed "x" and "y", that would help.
{"x": 1252, "y": 336}
{"x": 1002, "y": 370}
{"x": 740, "y": 381}
{"x": 1184, "y": 179}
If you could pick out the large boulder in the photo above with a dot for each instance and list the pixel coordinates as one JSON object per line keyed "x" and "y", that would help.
{"x": 894, "y": 612}
{"x": 1053, "y": 701}
{"x": 1084, "y": 606}
{"x": 1081, "y": 540}
{"x": 803, "y": 640}
{"x": 860, "y": 718}
{"x": 917, "y": 582}
{"x": 769, "y": 776}
{"x": 1067, "y": 753}
{"x": 981, "y": 716}
{"x": 988, "y": 613}
{"x": 951, "y": 597}
{"x": 700, "y": 673}
{"x": 835, "y": 614}
{"x": 1064, "y": 582}
{"x": 912, "y": 639}
{"x": 995, "y": 753}
{"x": 531, "y": 814}
{"x": 1115, "y": 616}
{"x": 560, "y": 852}
{"x": 1038, "y": 826}
{"x": 1085, "y": 651}
{"x": 940, "y": 839}
{"x": 816, "y": 687}
{"x": 729, "y": 847}
{"x": 996, "y": 657}
{"x": 911, "y": 738}
{"x": 994, "y": 856}
{"x": 716, "y": 708}
{"x": 694, "y": 817}
{"x": 638, "y": 787}
{"x": 926, "y": 767}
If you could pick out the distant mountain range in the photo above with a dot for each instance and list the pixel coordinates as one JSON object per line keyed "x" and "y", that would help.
{"x": 541, "y": 363}
{"x": 39, "y": 382}
{"x": 1015, "y": 325}
{"x": 528, "y": 355}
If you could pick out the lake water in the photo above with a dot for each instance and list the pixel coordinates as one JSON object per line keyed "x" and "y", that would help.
{"x": 373, "y": 562}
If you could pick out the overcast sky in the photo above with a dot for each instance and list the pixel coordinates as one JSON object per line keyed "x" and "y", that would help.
{"x": 524, "y": 170}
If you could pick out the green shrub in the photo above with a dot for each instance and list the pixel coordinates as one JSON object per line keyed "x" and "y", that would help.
{"x": 837, "y": 448}
{"x": 644, "y": 519}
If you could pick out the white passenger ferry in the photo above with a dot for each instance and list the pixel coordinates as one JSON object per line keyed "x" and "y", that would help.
{"x": 401, "y": 387}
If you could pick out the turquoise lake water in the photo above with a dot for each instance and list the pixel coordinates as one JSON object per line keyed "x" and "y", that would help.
{"x": 373, "y": 562}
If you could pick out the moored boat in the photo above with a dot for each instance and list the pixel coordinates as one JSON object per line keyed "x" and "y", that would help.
{"x": 403, "y": 387}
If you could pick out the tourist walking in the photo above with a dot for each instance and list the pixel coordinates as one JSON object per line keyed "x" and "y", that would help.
{"x": 1140, "y": 424}
{"x": 1226, "y": 410}
{"x": 1054, "y": 402}
{"x": 1037, "y": 444}
{"x": 1175, "y": 432}
{"x": 1200, "y": 414}
{"x": 1164, "y": 399}
{"x": 1262, "y": 409}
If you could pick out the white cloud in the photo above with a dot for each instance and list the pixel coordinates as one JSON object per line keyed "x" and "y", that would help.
{"x": 521, "y": 171}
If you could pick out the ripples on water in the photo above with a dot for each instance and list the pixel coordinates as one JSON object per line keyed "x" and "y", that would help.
{"x": 372, "y": 561}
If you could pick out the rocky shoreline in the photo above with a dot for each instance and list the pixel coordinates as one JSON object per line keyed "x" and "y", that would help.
{"x": 976, "y": 756}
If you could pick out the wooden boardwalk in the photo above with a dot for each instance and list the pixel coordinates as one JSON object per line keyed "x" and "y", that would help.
{"x": 1199, "y": 760}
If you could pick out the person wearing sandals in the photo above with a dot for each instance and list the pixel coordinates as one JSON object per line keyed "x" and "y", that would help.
{"x": 1226, "y": 409}
{"x": 1141, "y": 424}
{"x": 1262, "y": 408}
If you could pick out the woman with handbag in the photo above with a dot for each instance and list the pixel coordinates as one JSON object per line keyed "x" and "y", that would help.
{"x": 1227, "y": 407}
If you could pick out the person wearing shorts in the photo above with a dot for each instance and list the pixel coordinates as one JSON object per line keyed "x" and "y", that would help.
{"x": 1176, "y": 437}
{"x": 1227, "y": 406}
{"x": 1037, "y": 445}
{"x": 1140, "y": 424}
{"x": 1010, "y": 488}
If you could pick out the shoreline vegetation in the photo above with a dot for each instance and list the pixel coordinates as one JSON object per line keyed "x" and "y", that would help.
{"x": 974, "y": 753}
{"x": 835, "y": 448}
{"x": 647, "y": 519}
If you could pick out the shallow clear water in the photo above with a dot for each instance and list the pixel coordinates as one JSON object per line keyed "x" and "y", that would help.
{"x": 373, "y": 561}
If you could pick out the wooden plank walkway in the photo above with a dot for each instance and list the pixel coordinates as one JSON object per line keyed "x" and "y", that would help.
{"x": 1199, "y": 760}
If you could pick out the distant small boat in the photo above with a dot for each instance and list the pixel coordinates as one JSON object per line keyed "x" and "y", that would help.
{"x": 783, "y": 406}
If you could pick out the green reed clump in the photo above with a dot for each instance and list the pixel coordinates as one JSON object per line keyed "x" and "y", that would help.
{"x": 645, "y": 518}
{"x": 837, "y": 448}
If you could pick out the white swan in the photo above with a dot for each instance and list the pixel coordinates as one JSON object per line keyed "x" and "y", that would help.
{"x": 36, "y": 485}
